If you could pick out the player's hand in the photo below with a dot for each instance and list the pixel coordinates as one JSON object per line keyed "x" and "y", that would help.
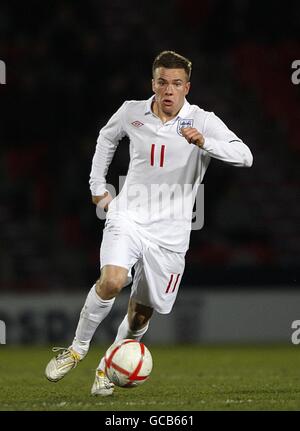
{"x": 193, "y": 136}
{"x": 103, "y": 200}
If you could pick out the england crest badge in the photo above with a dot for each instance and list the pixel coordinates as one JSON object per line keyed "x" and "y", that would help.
{"x": 184, "y": 122}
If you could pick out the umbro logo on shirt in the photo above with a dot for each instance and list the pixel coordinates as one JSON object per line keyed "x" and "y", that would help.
{"x": 137, "y": 124}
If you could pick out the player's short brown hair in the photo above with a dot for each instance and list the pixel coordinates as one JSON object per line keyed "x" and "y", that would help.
{"x": 172, "y": 60}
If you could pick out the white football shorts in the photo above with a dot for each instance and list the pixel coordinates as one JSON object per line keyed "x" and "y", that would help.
{"x": 158, "y": 271}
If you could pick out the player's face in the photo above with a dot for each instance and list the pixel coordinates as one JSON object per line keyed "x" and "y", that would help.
{"x": 170, "y": 87}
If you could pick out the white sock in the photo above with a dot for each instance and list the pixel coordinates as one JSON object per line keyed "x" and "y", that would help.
{"x": 93, "y": 312}
{"x": 125, "y": 332}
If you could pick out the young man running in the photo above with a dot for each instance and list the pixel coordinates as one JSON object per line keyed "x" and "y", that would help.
{"x": 148, "y": 224}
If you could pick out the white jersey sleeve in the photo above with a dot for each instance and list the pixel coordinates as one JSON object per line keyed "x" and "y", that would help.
{"x": 221, "y": 143}
{"x": 107, "y": 143}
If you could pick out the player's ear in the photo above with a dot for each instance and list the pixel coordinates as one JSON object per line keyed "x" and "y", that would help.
{"x": 153, "y": 89}
{"x": 187, "y": 88}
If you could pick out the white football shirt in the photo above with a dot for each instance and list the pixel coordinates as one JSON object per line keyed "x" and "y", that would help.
{"x": 164, "y": 170}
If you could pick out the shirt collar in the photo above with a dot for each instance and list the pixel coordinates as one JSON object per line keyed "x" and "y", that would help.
{"x": 148, "y": 105}
{"x": 181, "y": 114}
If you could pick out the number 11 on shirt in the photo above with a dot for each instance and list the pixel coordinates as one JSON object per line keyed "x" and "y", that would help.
{"x": 162, "y": 155}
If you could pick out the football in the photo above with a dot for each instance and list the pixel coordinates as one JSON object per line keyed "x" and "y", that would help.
{"x": 128, "y": 363}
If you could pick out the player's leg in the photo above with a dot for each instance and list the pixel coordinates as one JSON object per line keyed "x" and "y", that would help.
{"x": 136, "y": 322}
{"x": 155, "y": 286}
{"x": 120, "y": 246}
{"x": 134, "y": 325}
{"x": 118, "y": 253}
{"x": 97, "y": 306}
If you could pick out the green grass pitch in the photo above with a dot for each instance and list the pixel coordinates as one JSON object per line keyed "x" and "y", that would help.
{"x": 183, "y": 378}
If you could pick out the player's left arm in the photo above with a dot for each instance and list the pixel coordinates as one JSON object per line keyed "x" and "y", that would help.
{"x": 220, "y": 142}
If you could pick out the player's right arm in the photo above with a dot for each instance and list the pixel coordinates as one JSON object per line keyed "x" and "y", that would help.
{"x": 220, "y": 142}
{"x": 103, "y": 200}
{"x": 107, "y": 144}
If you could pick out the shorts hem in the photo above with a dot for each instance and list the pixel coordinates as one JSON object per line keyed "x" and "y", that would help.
{"x": 122, "y": 265}
{"x": 160, "y": 311}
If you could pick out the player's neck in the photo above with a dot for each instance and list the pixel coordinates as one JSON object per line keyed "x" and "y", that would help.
{"x": 162, "y": 115}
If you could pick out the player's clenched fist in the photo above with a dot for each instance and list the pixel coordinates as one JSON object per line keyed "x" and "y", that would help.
{"x": 103, "y": 200}
{"x": 193, "y": 136}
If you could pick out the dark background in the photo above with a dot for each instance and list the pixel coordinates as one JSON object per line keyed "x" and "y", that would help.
{"x": 70, "y": 65}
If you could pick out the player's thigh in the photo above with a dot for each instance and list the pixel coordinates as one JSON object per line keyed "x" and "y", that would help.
{"x": 120, "y": 247}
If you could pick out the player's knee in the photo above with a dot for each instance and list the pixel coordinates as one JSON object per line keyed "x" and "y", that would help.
{"x": 109, "y": 288}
